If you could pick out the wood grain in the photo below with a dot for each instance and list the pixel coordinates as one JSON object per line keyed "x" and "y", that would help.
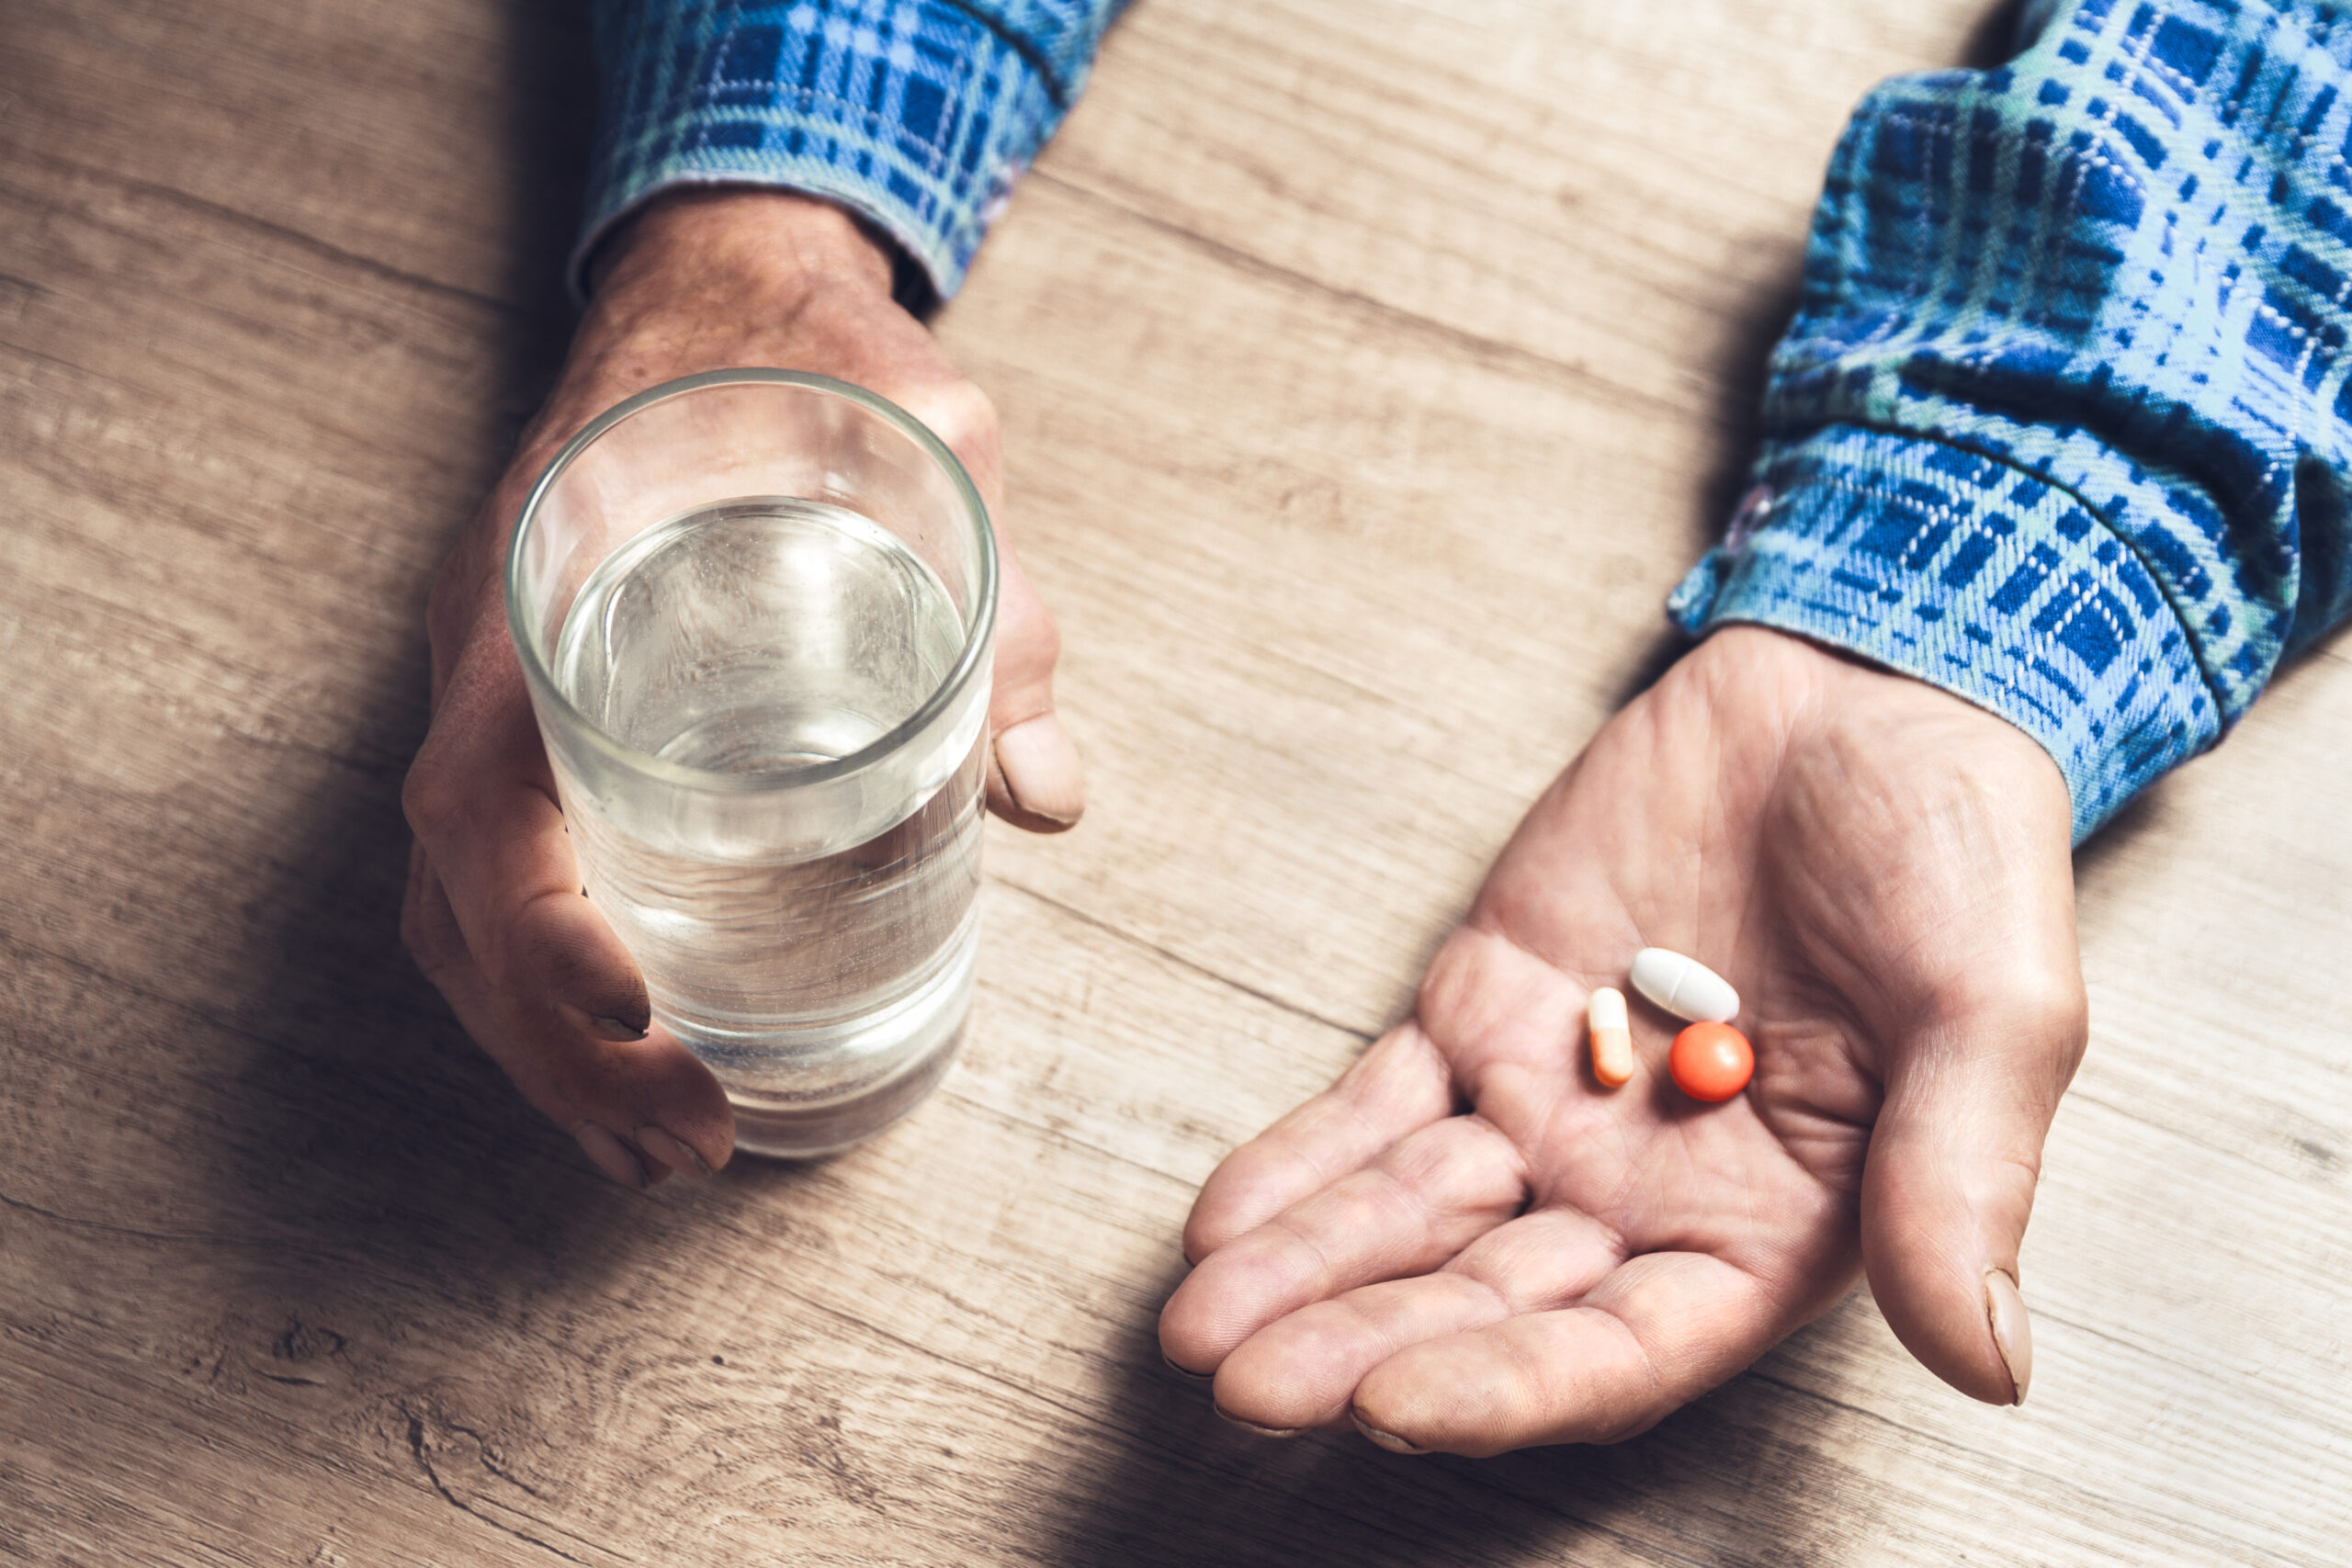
{"x": 1370, "y": 369}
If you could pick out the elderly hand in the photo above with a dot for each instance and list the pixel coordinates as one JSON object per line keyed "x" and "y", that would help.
{"x": 495, "y": 915}
{"x": 1468, "y": 1246}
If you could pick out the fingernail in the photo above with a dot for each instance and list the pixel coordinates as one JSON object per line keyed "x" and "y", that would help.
{"x": 2012, "y": 1329}
{"x": 675, "y": 1153}
{"x": 1042, "y": 773}
{"x": 611, "y": 1029}
{"x": 1389, "y": 1440}
{"x": 1262, "y": 1431}
{"x": 1186, "y": 1372}
{"x": 611, "y": 1156}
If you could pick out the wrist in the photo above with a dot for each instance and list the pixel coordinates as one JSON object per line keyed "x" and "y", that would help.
{"x": 736, "y": 247}
{"x": 1832, "y": 712}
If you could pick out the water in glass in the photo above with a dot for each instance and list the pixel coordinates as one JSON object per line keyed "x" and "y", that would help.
{"x": 769, "y": 635}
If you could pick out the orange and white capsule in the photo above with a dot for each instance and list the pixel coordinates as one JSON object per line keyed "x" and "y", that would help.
{"x": 1684, "y": 986}
{"x": 1613, "y": 1036}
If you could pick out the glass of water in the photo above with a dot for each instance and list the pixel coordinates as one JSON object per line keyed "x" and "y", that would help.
{"x": 756, "y": 610}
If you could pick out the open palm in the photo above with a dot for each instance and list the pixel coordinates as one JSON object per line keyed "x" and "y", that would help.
{"x": 1469, "y": 1245}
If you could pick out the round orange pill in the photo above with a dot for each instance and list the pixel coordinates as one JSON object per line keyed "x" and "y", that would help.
{"x": 1711, "y": 1062}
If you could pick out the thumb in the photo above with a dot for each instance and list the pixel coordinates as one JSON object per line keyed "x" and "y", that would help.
{"x": 1036, "y": 780}
{"x": 1948, "y": 1187}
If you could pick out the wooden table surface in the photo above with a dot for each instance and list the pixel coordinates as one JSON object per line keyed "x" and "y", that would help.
{"x": 1370, "y": 370}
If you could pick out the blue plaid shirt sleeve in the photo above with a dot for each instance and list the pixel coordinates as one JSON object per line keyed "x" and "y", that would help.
{"x": 2064, "y": 422}
{"x": 917, "y": 114}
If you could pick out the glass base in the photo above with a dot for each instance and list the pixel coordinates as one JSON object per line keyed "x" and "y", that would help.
{"x": 780, "y": 1129}
{"x": 816, "y": 1091}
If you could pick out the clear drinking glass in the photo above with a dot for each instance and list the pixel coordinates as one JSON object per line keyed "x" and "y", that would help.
{"x": 756, "y": 610}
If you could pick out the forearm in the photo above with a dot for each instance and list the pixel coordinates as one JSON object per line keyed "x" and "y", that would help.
{"x": 2058, "y": 425}
{"x": 918, "y": 115}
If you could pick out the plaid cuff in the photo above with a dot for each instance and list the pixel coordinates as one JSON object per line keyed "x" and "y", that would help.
{"x": 919, "y": 115}
{"x": 1977, "y": 577}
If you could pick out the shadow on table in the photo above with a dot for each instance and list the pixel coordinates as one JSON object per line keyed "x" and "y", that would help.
{"x": 1743, "y": 1476}
{"x": 385, "y": 1157}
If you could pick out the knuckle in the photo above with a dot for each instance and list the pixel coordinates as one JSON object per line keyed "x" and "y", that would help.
{"x": 2049, "y": 1006}
{"x": 1041, "y": 638}
{"x": 430, "y": 798}
{"x": 962, "y": 415}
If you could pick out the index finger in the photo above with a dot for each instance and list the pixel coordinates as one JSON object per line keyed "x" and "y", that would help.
{"x": 1399, "y": 1086}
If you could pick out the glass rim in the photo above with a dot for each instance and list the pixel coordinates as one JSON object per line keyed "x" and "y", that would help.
{"x": 978, "y": 625}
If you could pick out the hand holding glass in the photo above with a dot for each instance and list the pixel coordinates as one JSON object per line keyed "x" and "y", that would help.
{"x": 755, "y": 610}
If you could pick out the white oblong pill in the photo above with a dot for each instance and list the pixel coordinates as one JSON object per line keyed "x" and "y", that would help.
{"x": 1684, "y": 986}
